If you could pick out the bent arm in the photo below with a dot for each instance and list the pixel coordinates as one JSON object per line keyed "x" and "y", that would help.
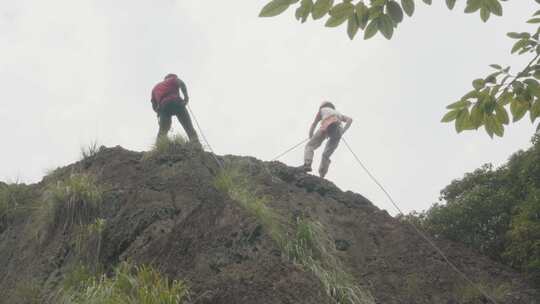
{"x": 348, "y": 122}
{"x": 183, "y": 88}
{"x": 154, "y": 102}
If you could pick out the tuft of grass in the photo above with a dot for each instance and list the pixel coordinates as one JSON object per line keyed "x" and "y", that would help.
{"x": 14, "y": 198}
{"x": 89, "y": 151}
{"x": 304, "y": 242}
{"x": 129, "y": 284}
{"x": 75, "y": 201}
{"x": 88, "y": 243}
{"x": 311, "y": 247}
{"x": 166, "y": 145}
{"x": 232, "y": 182}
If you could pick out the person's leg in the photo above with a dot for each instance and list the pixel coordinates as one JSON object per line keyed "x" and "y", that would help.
{"x": 334, "y": 135}
{"x": 185, "y": 121}
{"x": 164, "y": 121}
{"x": 314, "y": 143}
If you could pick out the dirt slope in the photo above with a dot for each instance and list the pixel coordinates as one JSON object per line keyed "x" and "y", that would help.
{"x": 166, "y": 211}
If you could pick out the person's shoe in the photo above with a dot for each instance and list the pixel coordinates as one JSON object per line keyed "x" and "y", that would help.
{"x": 305, "y": 168}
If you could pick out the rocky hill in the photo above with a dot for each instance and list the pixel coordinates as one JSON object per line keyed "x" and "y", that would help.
{"x": 250, "y": 232}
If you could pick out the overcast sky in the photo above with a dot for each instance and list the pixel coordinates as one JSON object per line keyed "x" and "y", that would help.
{"x": 73, "y": 72}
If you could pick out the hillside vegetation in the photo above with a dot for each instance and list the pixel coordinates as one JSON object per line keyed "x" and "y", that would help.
{"x": 495, "y": 211}
{"x": 172, "y": 226}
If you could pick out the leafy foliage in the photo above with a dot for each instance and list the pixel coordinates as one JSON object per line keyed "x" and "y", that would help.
{"x": 496, "y": 211}
{"x": 492, "y": 97}
{"x": 488, "y": 103}
{"x": 130, "y": 284}
{"x": 377, "y": 16}
{"x": 304, "y": 242}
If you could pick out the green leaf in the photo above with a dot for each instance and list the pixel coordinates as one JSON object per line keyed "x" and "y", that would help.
{"x": 473, "y": 6}
{"x": 335, "y": 21}
{"x": 274, "y": 8}
{"x": 479, "y": 83}
{"x": 303, "y": 11}
{"x": 471, "y": 94}
{"x": 394, "y": 10}
{"x": 371, "y": 29}
{"x": 477, "y": 115}
{"x": 489, "y": 105}
{"x": 378, "y": 2}
{"x": 362, "y": 14}
{"x": 428, "y": 2}
{"x": 462, "y": 120}
{"x": 321, "y": 8}
{"x": 450, "y": 116}
{"x": 494, "y": 125}
{"x": 495, "y": 7}
{"x": 459, "y": 104}
{"x": 518, "y": 109}
{"x": 408, "y": 7}
{"x": 535, "y": 110}
{"x": 352, "y": 26}
{"x": 386, "y": 26}
{"x": 501, "y": 114}
{"x": 451, "y": 3}
{"x": 496, "y": 66}
{"x": 488, "y": 127}
{"x": 515, "y": 35}
{"x": 342, "y": 10}
{"x": 375, "y": 12}
{"x": 519, "y": 45}
{"x": 484, "y": 13}
{"x": 534, "y": 20}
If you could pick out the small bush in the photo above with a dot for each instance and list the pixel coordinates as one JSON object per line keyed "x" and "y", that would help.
{"x": 166, "y": 145}
{"x": 89, "y": 151}
{"x": 14, "y": 198}
{"x": 75, "y": 201}
{"x": 129, "y": 284}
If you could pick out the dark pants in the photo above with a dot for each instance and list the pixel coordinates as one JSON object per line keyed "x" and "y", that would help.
{"x": 176, "y": 108}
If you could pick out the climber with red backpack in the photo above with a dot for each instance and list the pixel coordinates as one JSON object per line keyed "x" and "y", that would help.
{"x": 167, "y": 102}
{"x": 331, "y": 128}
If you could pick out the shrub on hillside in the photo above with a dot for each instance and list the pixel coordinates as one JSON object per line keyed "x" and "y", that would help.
{"x": 496, "y": 211}
{"x": 166, "y": 145}
{"x": 14, "y": 199}
{"x": 129, "y": 284}
{"x": 73, "y": 201}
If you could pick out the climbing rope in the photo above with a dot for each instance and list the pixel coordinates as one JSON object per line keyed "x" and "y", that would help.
{"x": 290, "y": 150}
{"x": 391, "y": 199}
{"x": 383, "y": 189}
{"x": 220, "y": 164}
{"x": 422, "y": 234}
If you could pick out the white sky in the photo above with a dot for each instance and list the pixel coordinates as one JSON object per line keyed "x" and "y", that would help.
{"x": 72, "y": 72}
